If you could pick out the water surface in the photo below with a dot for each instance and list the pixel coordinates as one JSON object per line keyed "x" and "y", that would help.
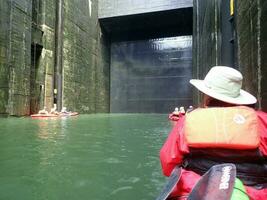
{"x": 94, "y": 157}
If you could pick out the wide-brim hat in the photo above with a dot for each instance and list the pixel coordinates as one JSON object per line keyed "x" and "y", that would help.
{"x": 224, "y": 83}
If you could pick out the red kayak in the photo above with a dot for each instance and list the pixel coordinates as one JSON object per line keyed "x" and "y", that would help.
{"x": 173, "y": 117}
{"x": 41, "y": 116}
{"x": 44, "y": 116}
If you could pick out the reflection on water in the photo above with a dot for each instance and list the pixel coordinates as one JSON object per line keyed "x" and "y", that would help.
{"x": 87, "y": 157}
{"x": 48, "y": 128}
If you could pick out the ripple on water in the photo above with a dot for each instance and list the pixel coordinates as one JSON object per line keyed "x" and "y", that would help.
{"x": 121, "y": 189}
{"x": 112, "y": 161}
{"x": 129, "y": 180}
{"x": 91, "y": 156}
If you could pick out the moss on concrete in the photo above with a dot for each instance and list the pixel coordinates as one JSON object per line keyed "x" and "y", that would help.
{"x": 251, "y": 47}
{"x": 4, "y": 55}
{"x": 19, "y": 58}
{"x": 85, "y": 66}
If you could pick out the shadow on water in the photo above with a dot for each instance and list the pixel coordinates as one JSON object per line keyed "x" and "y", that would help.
{"x": 103, "y": 156}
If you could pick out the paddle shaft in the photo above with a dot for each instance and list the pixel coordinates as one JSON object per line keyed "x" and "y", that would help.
{"x": 171, "y": 183}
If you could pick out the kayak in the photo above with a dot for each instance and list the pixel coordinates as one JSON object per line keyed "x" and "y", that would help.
{"x": 41, "y": 116}
{"x": 68, "y": 114}
{"x": 173, "y": 117}
{"x": 44, "y": 116}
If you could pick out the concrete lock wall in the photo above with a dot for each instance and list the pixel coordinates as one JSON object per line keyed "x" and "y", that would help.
{"x": 27, "y": 55}
{"x": 252, "y": 47}
{"x": 4, "y": 53}
{"x": 248, "y": 26}
{"x": 263, "y": 52}
{"x": 151, "y": 76}
{"x": 15, "y": 61}
{"x": 205, "y": 39}
{"x": 85, "y": 59}
{"x": 28, "y": 49}
{"x": 115, "y": 8}
{"x": 43, "y": 54}
{"x": 28, "y": 41}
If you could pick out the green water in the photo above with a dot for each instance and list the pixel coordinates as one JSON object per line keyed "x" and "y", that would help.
{"x": 94, "y": 157}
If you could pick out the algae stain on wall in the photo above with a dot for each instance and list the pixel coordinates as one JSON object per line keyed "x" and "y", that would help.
{"x": 85, "y": 64}
{"x": 42, "y": 87}
{"x": 18, "y": 60}
{"x": 249, "y": 39}
{"x": 27, "y": 52}
{"x": 4, "y": 55}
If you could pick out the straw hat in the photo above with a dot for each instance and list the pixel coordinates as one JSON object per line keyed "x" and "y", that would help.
{"x": 224, "y": 83}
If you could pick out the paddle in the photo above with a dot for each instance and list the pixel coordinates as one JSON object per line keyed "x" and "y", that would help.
{"x": 215, "y": 184}
{"x": 169, "y": 186}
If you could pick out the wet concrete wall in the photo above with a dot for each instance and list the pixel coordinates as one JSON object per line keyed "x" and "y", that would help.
{"x": 205, "y": 39}
{"x": 249, "y": 41}
{"x": 43, "y": 54}
{"x": 4, "y": 52}
{"x": 27, "y": 43}
{"x": 151, "y": 76}
{"x": 251, "y": 28}
{"x": 15, "y": 44}
{"x": 112, "y": 8}
{"x": 85, "y": 59}
{"x": 263, "y": 52}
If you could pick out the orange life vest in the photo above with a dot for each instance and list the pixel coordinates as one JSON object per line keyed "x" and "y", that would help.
{"x": 222, "y": 127}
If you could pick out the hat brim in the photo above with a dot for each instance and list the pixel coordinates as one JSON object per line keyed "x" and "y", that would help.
{"x": 244, "y": 98}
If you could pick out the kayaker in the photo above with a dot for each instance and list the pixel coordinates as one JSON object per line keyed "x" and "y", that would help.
{"x": 220, "y": 88}
{"x": 43, "y": 111}
{"x": 54, "y": 110}
{"x": 182, "y": 110}
{"x": 175, "y": 115}
{"x": 64, "y": 111}
{"x": 176, "y": 111}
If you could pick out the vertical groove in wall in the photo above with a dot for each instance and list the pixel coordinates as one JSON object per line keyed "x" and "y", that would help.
{"x": 216, "y": 21}
{"x": 58, "y": 62}
{"x": 9, "y": 109}
{"x": 85, "y": 59}
{"x": 196, "y": 46}
{"x": 259, "y": 95}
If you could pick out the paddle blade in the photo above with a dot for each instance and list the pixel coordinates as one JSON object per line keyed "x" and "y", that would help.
{"x": 215, "y": 184}
{"x": 171, "y": 183}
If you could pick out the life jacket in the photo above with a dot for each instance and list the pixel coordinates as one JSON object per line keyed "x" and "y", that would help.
{"x": 222, "y": 127}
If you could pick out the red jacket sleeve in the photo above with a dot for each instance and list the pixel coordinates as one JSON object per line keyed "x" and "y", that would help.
{"x": 262, "y": 116}
{"x": 174, "y": 148}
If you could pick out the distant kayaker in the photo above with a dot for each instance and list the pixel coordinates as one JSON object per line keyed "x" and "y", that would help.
{"x": 54, "y": 110}
{"x": 182, "y": 110}
{"x": 176, "y": 111}
{"x": 64, "y": 110}
{"x": 220, "y": 88}
{"x": 43, "y": 111}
